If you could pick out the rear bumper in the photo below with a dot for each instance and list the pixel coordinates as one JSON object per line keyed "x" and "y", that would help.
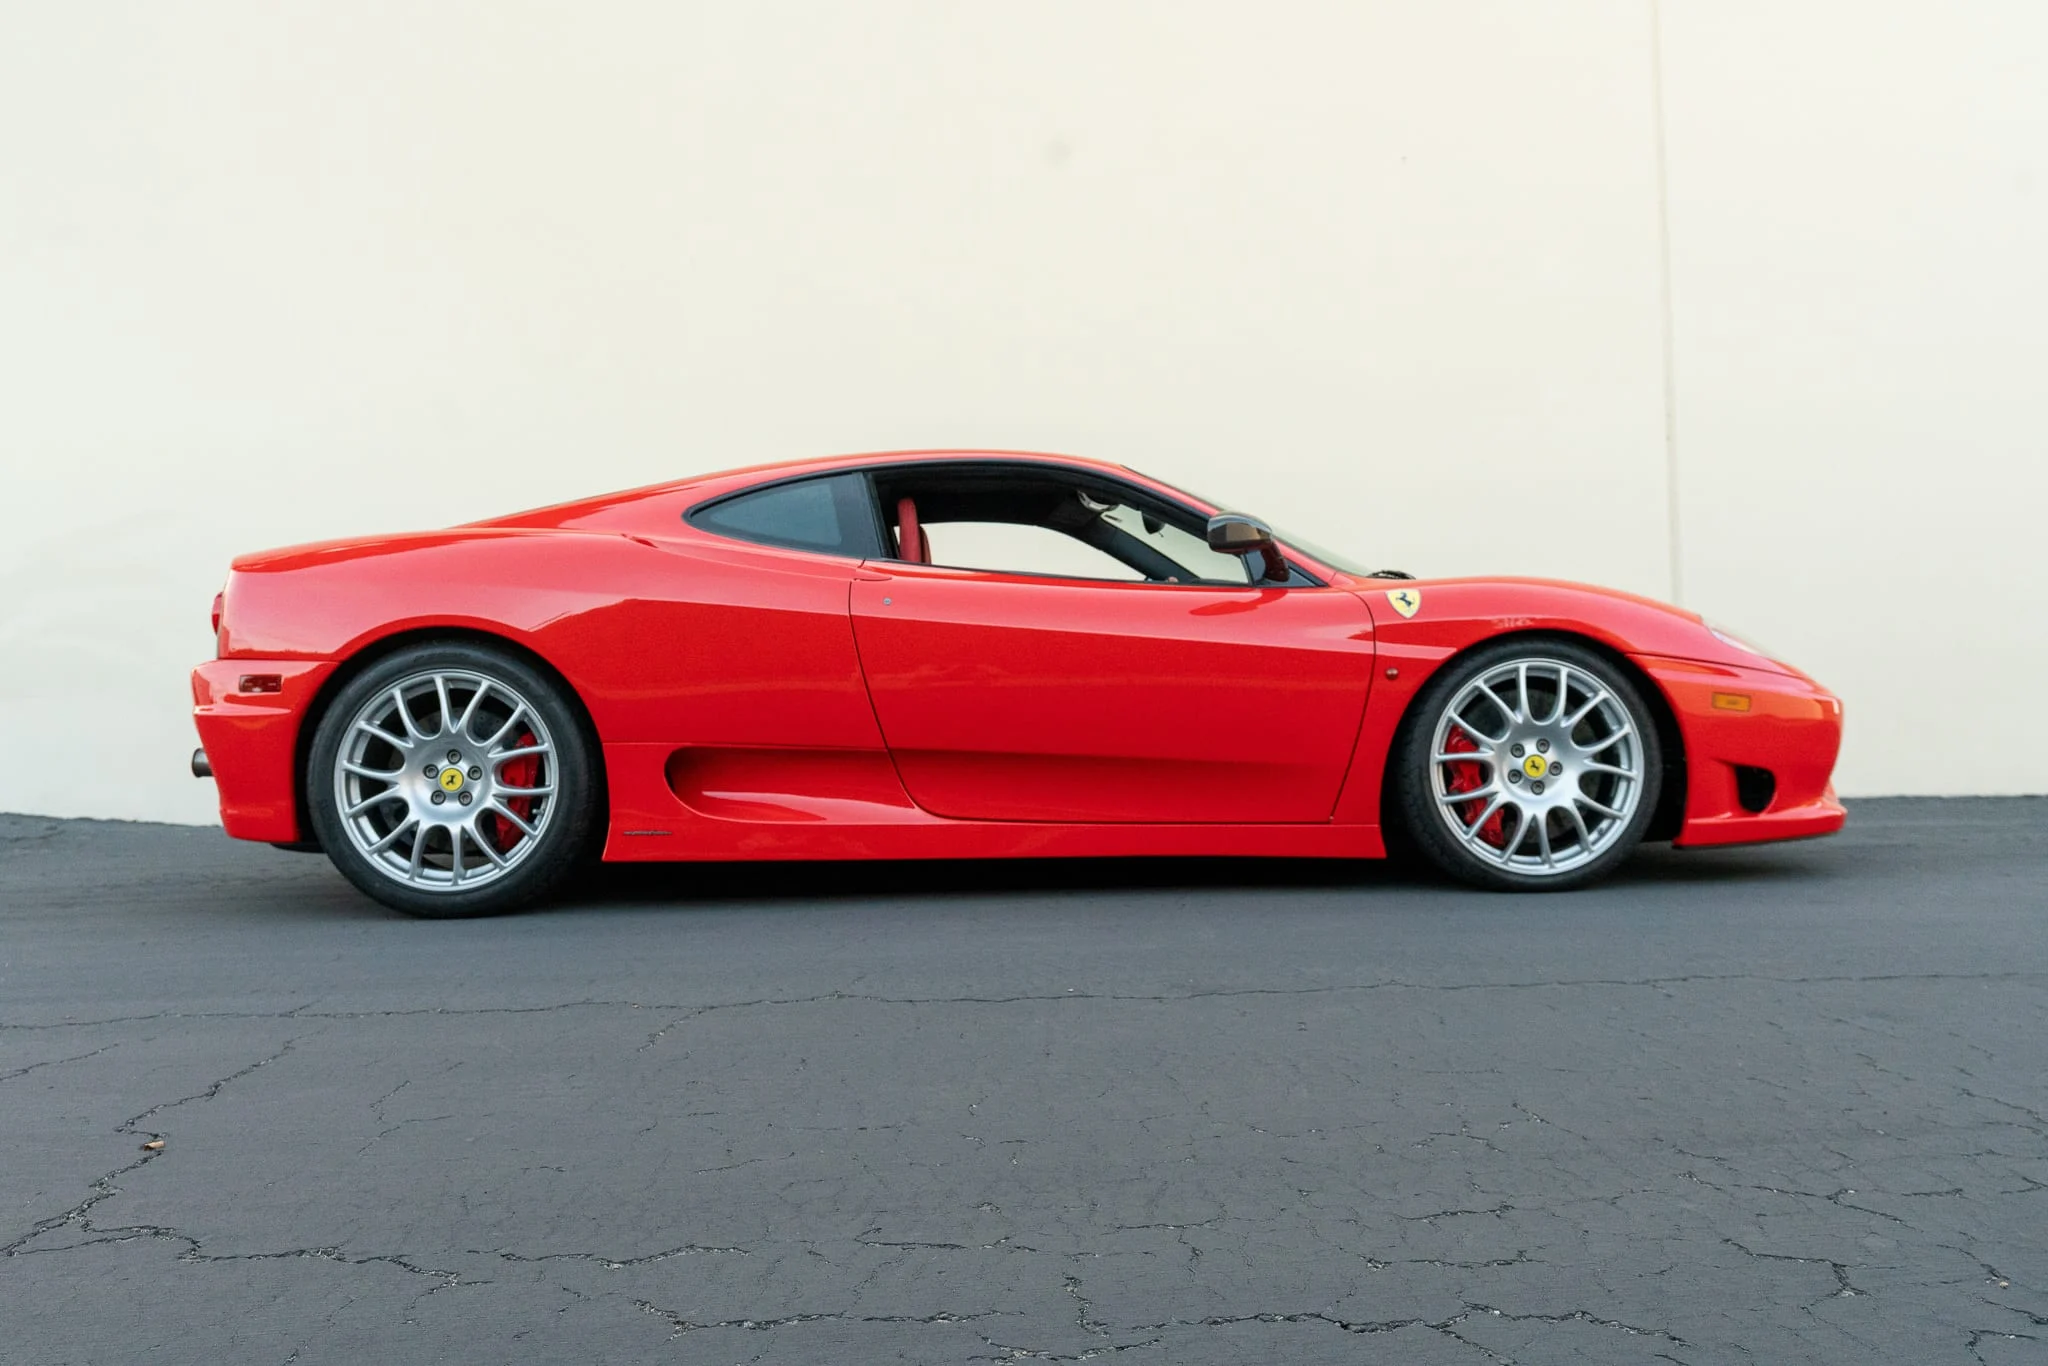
{"x": 251, "y": 740}
{"x": 1734, "y": 719}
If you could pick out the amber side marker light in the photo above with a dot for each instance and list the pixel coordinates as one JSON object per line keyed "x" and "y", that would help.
{"x": 275, "y": 683}
{"x": 1731, "y": 701}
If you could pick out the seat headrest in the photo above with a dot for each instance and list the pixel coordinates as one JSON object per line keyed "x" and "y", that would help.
{"x": 911, "y": 542}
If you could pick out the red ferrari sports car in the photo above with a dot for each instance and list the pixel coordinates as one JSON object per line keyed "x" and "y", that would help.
{"x": 965, "y": 655}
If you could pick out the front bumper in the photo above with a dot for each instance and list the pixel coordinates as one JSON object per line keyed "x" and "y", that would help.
{"x": 251, "y": 740}
{"x": 1733, "y": 719}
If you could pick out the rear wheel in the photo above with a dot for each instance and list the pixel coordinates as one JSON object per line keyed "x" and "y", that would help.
{"x": 452, "y": 780}
{"x": 1531, "y": 765}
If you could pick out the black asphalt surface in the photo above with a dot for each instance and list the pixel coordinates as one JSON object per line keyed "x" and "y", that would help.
{"x": 1778, "y": 1105}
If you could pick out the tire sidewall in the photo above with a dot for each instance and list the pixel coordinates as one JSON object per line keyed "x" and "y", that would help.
{"x": 563, "y": 843}
{"x": 1416, "y": 802}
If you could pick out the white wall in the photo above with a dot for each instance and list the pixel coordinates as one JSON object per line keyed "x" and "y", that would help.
{"x": 1388, "y": 273}
{"x": 1859, "y": 210}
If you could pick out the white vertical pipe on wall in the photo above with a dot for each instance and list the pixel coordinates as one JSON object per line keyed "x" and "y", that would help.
{"x": 1674, "y": 494}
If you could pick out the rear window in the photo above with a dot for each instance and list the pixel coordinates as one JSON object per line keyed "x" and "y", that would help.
{"x": 832, "y": 514}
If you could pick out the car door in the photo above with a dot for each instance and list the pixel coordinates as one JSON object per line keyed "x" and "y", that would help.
{"x": 1020, "y": 697}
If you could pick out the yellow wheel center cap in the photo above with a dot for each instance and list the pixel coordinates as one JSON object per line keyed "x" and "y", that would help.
{"x": 451, "y": 780}
{"x": 1535, "y": 766}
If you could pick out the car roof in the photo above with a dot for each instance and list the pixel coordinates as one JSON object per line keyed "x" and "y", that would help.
{"x": 702, "y": 487}
{"x": 783, "y": 469}
{"x": 653, "y": 510}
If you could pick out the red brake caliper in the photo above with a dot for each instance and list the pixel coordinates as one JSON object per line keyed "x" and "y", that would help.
{"x": 1470, "y": 778}
{"x": 517, "y": 773}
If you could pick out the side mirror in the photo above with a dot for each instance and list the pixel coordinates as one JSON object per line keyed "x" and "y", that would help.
{"x": 1233, "y": 533}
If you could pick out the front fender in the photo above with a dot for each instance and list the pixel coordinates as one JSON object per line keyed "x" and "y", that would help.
{"x": 1452, "y": 616}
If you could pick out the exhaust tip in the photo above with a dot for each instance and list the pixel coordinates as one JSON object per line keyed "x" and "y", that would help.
{"x": 202, "y": 767}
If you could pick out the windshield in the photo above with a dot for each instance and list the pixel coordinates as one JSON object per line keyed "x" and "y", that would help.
{"x": 1345, "y": 563}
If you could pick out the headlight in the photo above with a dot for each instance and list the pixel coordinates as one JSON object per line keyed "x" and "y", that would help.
{"x": 1729, "y": 638}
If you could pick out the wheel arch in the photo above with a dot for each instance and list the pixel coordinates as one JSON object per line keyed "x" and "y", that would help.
{"x": 1669, "y": 816}
{"x": 385, "y": 646}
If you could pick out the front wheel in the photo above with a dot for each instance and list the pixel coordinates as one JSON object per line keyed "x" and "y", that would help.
{"x": 452, "y": 780}
{"x": 1529, "y": 766}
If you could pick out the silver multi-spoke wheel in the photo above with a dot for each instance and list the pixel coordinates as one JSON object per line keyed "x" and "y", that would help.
{"x": 445, "y": 780}
{"x": 1537, "y": 767}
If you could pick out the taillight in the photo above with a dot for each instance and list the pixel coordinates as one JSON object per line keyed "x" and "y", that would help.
{"x": 218, "y": 599}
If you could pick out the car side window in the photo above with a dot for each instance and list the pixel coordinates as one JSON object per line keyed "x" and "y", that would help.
{"x": 1183, "y": 547}
{"x": 1022, "y": 548}
{"x": 1065, "y": 531}
{"x": 831, "y": 514}
{"x": 1046, "y": 521}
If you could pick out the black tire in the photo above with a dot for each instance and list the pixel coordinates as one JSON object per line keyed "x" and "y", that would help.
{"x": 564, "y": 822}
{"x": 1426, "y": 792}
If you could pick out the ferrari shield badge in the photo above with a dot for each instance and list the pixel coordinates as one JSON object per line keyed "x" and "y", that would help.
{"x": 1407, "y": 601}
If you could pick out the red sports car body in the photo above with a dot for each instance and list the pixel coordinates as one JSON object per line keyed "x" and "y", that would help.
{"x": 757, "y": 685}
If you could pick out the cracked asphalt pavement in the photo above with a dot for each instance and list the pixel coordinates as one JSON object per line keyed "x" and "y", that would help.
{"x": 1774, "y": 1105}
